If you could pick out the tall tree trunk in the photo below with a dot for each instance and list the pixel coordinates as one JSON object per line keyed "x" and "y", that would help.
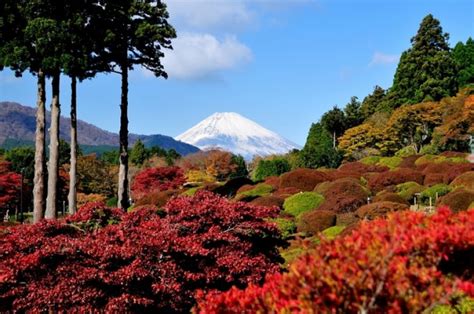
{"x": 123, "y": 197}
{"x": 53, "y": 163}
{"x": 40, "y": 152}
{"x": 72, "y": 197}
{"x": 334, "y": 140}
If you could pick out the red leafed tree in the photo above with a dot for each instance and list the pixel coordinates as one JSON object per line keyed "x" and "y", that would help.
{"x": 10, "y": 183}
{"x": 102, "y": 259}
{"x": 408, "y": 263}
{"x": 157, "y": 179}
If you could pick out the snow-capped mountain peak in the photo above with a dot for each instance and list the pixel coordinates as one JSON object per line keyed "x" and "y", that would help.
{"x": 232, "y": 132}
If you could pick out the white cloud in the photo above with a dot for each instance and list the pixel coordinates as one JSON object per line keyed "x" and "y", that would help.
{"x": 206, "y": 14}
{"x": 382, "y": 58}
{"x": 199, "y": 55}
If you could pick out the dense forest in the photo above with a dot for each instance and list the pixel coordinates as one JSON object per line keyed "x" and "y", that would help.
{"x": 374, "y": 214}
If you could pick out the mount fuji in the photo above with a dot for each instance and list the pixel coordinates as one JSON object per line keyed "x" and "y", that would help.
{"x": 234, "y": 133}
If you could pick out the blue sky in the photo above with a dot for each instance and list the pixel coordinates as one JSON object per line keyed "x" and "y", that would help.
{"x": 281, "y": 63}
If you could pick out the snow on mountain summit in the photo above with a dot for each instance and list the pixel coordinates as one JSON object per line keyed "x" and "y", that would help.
{"x": 232, "y": 132}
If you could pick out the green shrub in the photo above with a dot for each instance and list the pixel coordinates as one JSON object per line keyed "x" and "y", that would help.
{"x": 332, "y": 232}
{"x": 272, "y": 167}
{"x": 391, "y": 162}
{"x": 261, "y": 189}
{"x": 441, "y": 189}
{"x": 370, "y": 160}
{"x": 429, "y": 149}
{"x": 408, "y": 190}
{"x": 439, "y": 159}
{"x": 286, "y": 226}
{"x": 464, "y": 305}
{"x": 302, "y": 202}
{"x": 406, "y": 152}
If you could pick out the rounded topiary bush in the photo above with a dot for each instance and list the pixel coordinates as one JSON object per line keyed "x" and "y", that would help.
{"x": 315, "y": 221}
{"x": 391, "y": 162}
{"x": 259, "y": 190}
{"x": 302, "y": 202}
{"x": 303, "y": 179}
{"x": 273, "y": 181}
{"x": 409, "y": 162}
{"x": 466, "y": 180}
{"x": 433, "y": 192}
{"x": 286, "y": 225}
{"x": 343, "y": 195}
{"x": 268, "y": 201}
{"x": 360, "y": 168}
{"x": 444, "y": 172}
{"x": 395, "y": 177}
{"x": 380, "y": 209}
{"x": 346, "y": 219}
{"x": 407, "y": 190}
{"x": 458, "y": 200}
{"x": 385, "y": 196}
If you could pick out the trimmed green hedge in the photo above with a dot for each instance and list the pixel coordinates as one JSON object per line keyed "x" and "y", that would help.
{"x": 302, "y": 202}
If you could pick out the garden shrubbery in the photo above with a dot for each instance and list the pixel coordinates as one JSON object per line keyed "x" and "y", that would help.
{"x": 315, "y": 221}
{"x": 302, "y": 202}
{"x": 142, "y": 261}
{"x": 342, "y": 195}
{"x": 303, "y": 179}
{"x": 157, "y": 179}
{"x": 385, "y": 266}
{"x": 395, "y": 177}
{"x": 379, "y": 209}
{"x": 458, "y": 200}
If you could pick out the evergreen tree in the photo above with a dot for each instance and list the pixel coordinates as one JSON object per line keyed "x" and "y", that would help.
{"x": 318, "y": 150}
{"x": 463, "y": 54}
{"x": 241, "y": 167}
{"x": 426, "y": 71}
{"x": 372, "y": 102}
{"x": 139, "y": 154}
{"x": 353, "y": 114}
{"x": 135, "y": 32}
{"x": 334, "y": 121}
{"x": 32, "y": 34}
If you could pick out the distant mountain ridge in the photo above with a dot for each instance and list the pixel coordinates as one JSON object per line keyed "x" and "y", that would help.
{"x": 18, "y": 122}
{"x": 232, "y": 132}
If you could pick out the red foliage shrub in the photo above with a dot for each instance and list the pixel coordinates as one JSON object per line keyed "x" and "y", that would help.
{"x": 268, "y": 201}
{"x": 458, "y": 200}
{"x": 10, "y": 184}
{"x": 466, "y": 180}
{"x": 379, "y": 209}
{"x": 342, "y": 195}
{"x": 385, "y": 266}
{"x": 434, "y": 178}
{"x": 303, "y": 179}
{"x": 360, "y": 168}
{"x": 273, "y": 181}
{"x": 346, "y": 219}
{"x": 391, "y": 178}
{"x": 385, "y": 196}
{"x": 312, "y": 222}
{"x": 156, "y": 198}
{"x": 157, "y": 179}
{"x": 448, "y": 170}
{"x": 148, "y": 262}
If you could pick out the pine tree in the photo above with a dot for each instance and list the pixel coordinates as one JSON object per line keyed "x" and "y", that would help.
{"x": 139, "y": 154}
{"x": 318, "y": 150}
{"x": 372, "y": 102}
{"x": 135, "y": 33}
{"x": 334, "y": 121}
{"x": 426, "y": 71}
{"x": 463, "y": 54}
{"x": 353, "y": 114}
